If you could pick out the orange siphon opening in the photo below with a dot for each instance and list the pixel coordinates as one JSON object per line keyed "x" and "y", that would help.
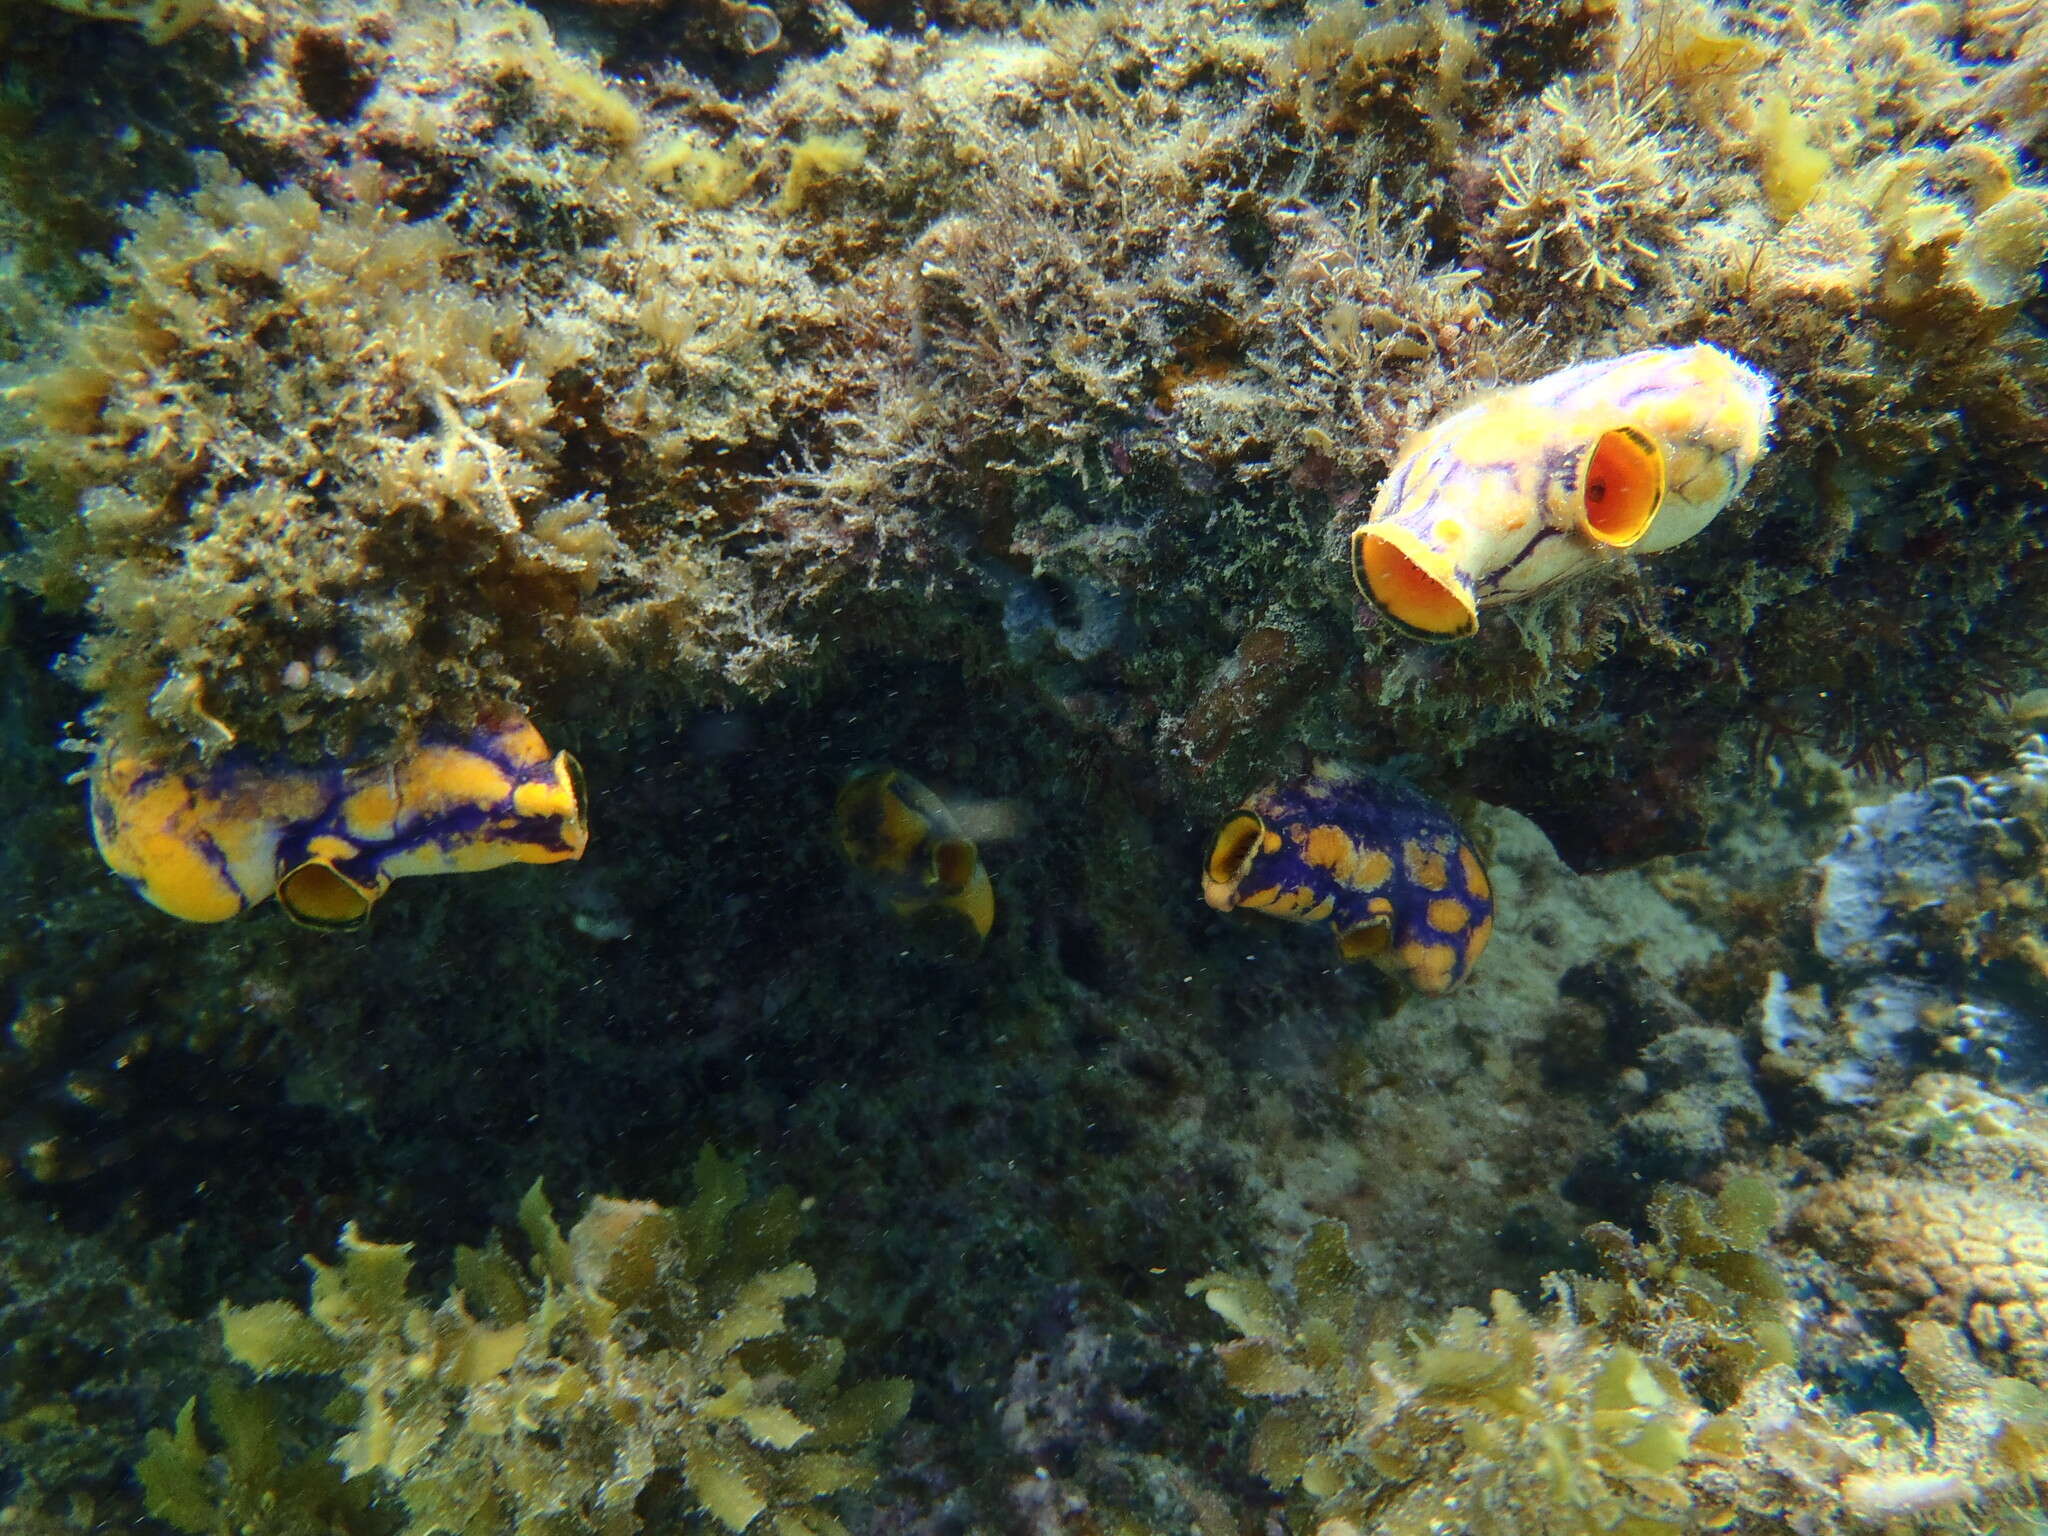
{"x": 1230, "y": 857}
{"x": 1408, "y": 594}
{"x": 1624, "y": 486}
{"x": 1364, "y": 940}
{"x": 317, "y": 896}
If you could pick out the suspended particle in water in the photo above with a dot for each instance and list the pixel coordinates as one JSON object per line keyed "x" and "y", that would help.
{"x": 755, "y": 27}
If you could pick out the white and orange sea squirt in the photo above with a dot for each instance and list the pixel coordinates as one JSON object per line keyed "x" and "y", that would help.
{"x": 205, "y": 843}
{"x": 1525, "y": 487}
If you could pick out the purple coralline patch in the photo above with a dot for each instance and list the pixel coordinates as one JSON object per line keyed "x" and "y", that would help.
{"x": 1918, "y": 949}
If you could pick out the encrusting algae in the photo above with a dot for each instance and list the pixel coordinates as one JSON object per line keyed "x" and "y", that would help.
{"x": 160, "y": 20}
{"x": 1945, "y": 1217}
{"x": 474, "y": 370}
{"x": 1660, "y": 1398}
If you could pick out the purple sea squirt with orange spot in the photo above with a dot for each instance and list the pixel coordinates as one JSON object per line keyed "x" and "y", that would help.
{"x": 1386, "y": 868}
{"x": 207, "y": 843}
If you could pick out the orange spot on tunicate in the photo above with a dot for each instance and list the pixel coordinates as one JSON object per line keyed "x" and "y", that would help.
{"x": 1475, "y": 875}
{"x": 1369, "y": 871}
{"x": 1430, "y": 966}
{"x": 1426, "y": 869}
{"x": 1327, "y": 848}
{"x": 1295, "y": 904}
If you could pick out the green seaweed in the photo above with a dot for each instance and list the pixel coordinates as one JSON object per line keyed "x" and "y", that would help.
{"x": 1663, "y": 1398}
{"x": 636, "y": 1371}
{"x": 243, "y": 1483}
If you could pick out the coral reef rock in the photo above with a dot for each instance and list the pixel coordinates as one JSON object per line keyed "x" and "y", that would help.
{"x": 1946, "y": 1217}
{"x": 590, "y": 372}
{"x": 1661, "y": 1398}
{"x": 1928, "y": 919}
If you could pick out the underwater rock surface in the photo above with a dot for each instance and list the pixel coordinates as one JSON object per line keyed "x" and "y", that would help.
{"x": 1929, "y": 915}
{"x": 745, "y": 392}
{"x": 593, "y": 363}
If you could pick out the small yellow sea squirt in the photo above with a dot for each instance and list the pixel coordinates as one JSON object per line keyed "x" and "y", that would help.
{"x": 208, "y": 843}
{"x": 902, "y": 840}
{"x": 1525, "y": 487}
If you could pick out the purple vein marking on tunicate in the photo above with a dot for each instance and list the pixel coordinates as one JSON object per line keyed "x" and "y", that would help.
{"x": 1683, "y": 490}
{"x": 293, "y": 841}
{"x": 1508, "y": 469}
{"x": 1562, "y": 466}
{"x": 145, "y": 778}
{"x": 443, "y": 828}
{"x": 1491, "y": 582}
{"x": 231, "y": 773}
{"x": 210, "y": 851}
{"x": 487, "y": 744}
{"x": 1398, "y": 488}
{"x": 106, "y": 822}
{"x": 361, "y": 868}
{"x": 1650, "y": 388}
{"x": 473, "y": 823}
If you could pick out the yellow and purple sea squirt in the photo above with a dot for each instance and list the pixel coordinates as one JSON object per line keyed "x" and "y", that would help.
{"x": 905, "y": 844}
{"x": 1524, "y": 487}
{"x": 209, "y": 842}
{"x": 1387, "y": 869}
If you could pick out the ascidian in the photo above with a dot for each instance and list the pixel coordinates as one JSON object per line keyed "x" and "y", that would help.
{"x": 907, "y": 846}
{"x": 208, "y": 843}
{"x": 1525, "y": 487}
{"x": 1386, "y": 868}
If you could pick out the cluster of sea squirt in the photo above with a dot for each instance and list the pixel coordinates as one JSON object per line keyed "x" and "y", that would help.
{"x": 1506, "y": 497}
{"x": 1503, "y": 498}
